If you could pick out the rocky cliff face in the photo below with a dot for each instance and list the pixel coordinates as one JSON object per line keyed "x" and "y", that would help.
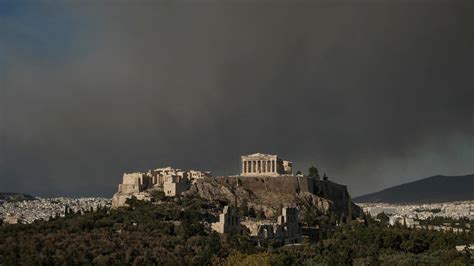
{"x": 269, "y": 194}
{"x": 338, "y": 194}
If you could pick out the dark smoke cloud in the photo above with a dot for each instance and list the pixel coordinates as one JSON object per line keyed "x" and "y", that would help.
{"x": 374, "y": 93}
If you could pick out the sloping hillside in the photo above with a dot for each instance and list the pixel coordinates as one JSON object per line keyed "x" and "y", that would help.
{"x": 432, "y": 189}
{"x": 269, "y": 194}
{"x": 15, "y": 196}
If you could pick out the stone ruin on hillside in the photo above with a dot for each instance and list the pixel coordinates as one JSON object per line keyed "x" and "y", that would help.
{"x": 229, "y": 222}
{"x": 286, "y": 229}
{"x": 260, "y": 164}
{"x": 171, "y": 181}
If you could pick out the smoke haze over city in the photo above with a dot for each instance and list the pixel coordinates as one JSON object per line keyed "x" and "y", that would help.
{"x": 374, "y": 94}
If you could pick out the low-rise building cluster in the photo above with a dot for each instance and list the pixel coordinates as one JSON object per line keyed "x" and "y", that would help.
{"x": 414, "y": 215}
{"x": 29, "y": 211}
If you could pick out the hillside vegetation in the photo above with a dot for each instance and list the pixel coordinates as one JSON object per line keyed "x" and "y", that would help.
{"x": 175, "y": 232}
{"x": 268, "y": 194}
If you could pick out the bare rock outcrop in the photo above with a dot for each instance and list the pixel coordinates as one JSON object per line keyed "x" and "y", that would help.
{"x": 270, "y": 194}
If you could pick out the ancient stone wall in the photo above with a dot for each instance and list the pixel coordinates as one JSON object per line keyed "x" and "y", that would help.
{"x": 173, "y": 189}
{"x": 338, "y": 194}
{"x": 131, "y": 178}
{"x": 306, "y": 184}
{"x": 280, "y": 184}
{"x": 229, "y": 222}
{"x": 272, "y": 193}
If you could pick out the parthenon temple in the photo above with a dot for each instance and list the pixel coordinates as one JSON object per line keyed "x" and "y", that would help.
{"x": 260, "y": 164}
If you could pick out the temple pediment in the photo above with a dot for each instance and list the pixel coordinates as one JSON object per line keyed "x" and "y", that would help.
{"x": 259, "y": 155}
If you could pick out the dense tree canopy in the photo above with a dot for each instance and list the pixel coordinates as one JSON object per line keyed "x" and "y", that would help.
{"x": 173, "y": 231}
{"x": 313, "y": 172}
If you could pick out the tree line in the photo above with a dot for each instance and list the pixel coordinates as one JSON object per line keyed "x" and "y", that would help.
{"x": 174, "y": 231}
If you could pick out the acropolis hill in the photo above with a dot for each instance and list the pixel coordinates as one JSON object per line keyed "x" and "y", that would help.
{"x": 266, "y": 183}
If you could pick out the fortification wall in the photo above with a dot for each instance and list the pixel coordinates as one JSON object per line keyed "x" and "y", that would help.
{"x": 330, "y": 190}
{"x": 284, "y": 186}
{"x": 306, "y": 184}
{"x": 338, "y": 194}
{"x": 132, "y": 178}
{"x": 277, "y": 184}
{"x": 288, "y": 184}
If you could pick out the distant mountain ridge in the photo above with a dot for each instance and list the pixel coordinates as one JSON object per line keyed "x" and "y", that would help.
{"x": 7, "y": 196}
{"x": 432, "y": 189}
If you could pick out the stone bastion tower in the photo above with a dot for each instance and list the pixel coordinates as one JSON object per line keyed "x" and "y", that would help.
{"x": 260, "y": 164}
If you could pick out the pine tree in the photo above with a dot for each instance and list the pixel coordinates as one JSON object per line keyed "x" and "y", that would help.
{"x": 332, "y": 219}
{"x": 349, "y": 211}
{"x": 341, "y": 222}
{"x": 252, "y": 212}
{"x": 467, "y": 255}
{"x": 244, "y": 208}
{"x": 313, "y": 172}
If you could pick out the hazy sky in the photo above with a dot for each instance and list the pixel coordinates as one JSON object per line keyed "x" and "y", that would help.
{"x": 375, "y": 93}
